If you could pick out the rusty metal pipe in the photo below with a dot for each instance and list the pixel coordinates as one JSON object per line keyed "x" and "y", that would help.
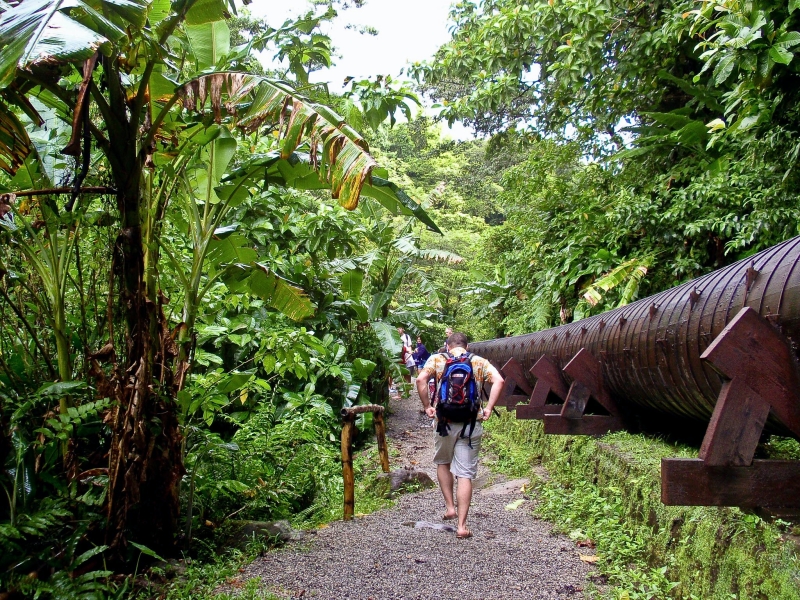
{"x": 650, "y": 349}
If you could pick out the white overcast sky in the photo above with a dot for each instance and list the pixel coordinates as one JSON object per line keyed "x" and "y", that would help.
{"x": 408, "y": 31}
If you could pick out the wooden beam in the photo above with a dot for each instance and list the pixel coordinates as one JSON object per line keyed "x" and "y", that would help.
{"x": 576, "y": 401}
{"x": 549, "y": 380}
{"x": 546, "y": 369}
{"x": 514, "y": 377}
{"x": 751, "y": 349}
{"x": 586, "y": 369}
{"x": 513, "y": 371}
{"x": 595, "y": 425}
{"x": 348, "y": 430}
{"x": 736, "y": 425}
{"x": 762, "y": 377}
{"x": 765, "y": 483}
{"x": 587, "y": 376}
{"x": 380, "y": 435}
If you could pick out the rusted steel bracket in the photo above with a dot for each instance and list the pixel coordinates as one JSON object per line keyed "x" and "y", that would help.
{"x": 515, "y": 381}
{"x": 762, "y": 378}
{"x": 549, "y": 382}
{"x": 587, "y": 382}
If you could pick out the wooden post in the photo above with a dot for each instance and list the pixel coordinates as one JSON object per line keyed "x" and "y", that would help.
{"x": 347, "y": 466}
{"x": 348, "y": 433}
{"x": 380, "y": 434}
{"x": 587, "y": 382}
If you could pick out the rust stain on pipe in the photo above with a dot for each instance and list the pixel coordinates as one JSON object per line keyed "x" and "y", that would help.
{"x": 650, "y": 349}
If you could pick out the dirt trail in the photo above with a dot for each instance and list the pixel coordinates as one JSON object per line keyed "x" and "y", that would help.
{"x": 408, "y": 552}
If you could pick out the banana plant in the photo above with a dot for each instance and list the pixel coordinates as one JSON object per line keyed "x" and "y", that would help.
{"x": 48, "y": 251}
{"x": 631, "y": 273}
{"x": 130, "y": 77}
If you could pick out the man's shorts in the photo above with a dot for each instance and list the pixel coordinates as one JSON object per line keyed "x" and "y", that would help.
{"x": 455, "y": 451}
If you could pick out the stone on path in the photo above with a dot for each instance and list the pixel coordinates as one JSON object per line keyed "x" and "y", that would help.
{"x": 387, "y": 484}
{"x": 507, "y": 487}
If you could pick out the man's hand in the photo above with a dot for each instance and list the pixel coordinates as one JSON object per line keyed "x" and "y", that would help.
{"x": 485, "y": 414}
{"x": 431, "y": 412}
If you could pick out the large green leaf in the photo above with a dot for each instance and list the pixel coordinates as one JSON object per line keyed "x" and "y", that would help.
{"x": 352, "y": 282}
{"x": 388, "y": 337}
{"x": 384, "y": 297}
{"x": 397, "y": 201}
{"x": 363, "y": 368}
{"x": 65, "y": 30}
{"x": 210, "y": 42}
{"x": 262, "y": 282}
{"x": 158, "y": 11}
{"x": 218, "y": 148}
{"x": 234, "y": 381}
{"x": 206, "y": 11}
{"x": 233, "y": 248}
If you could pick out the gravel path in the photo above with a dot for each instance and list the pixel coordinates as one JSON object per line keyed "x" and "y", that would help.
{"x": 408, "y": 552}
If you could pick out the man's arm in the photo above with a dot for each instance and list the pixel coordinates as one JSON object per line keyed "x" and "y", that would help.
{"x": 422, "y": 389}
{"x": 497, "y": 388}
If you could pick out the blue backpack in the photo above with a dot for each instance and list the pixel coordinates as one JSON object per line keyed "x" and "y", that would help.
{"x": 457, "y": 397}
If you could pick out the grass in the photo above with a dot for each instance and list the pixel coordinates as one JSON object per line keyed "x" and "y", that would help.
{"x": 608, "y": 490}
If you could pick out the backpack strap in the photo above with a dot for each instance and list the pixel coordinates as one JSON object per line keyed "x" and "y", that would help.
{"x": 447, "y": 356}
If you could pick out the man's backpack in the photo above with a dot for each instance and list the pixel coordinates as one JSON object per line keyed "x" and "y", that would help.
{"x": 457, "y": 395}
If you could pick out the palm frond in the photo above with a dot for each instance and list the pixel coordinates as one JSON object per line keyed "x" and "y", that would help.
{"x": 338, "y": 154}
{"x": 441, "y": 256}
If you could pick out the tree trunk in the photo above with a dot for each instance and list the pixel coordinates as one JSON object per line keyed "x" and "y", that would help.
{"x": 145, "y": 464}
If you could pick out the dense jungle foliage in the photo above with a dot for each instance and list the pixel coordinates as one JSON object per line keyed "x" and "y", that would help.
{"x": 201, "y": 262}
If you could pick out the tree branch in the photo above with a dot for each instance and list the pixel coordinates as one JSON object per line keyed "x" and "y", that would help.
{"x": 96, "y": 189}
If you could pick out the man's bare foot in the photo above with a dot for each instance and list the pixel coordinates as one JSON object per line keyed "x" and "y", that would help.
{"x": 463, "y": 534}
{"x": 449, "y": 516}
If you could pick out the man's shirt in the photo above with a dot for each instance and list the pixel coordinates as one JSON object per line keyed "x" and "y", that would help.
{"x": 483, "y": 370}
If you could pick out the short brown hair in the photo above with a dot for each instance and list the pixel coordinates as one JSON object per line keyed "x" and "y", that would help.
{"x": 457, "y": 339}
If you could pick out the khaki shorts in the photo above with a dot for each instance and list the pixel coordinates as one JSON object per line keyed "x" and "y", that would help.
{"x": 455, "y": 451}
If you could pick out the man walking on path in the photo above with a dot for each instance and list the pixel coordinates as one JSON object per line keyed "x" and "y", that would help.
{"x": 456, "y": 454}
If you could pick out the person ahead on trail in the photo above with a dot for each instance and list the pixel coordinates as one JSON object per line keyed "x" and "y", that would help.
{"x": 405, "y": 339}
{"x": 421, "y": 353}
{"x": 460, "y": 377}
{"x": 405, "y": 355}
{"x": 448, "y": 331}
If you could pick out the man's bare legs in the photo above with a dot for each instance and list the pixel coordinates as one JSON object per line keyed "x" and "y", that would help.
{"x": 464, "y": 495}
{"x": 445, "y": 478}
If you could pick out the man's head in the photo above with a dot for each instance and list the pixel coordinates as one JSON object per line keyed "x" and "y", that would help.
{"x": 419, "y": 340}
{"x": 456, "y": 340}
{"x": 400, "y": 330}
{"x": 448, "y": 332}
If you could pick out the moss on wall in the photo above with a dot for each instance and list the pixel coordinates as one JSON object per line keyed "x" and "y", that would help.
{"x": 608, "y": 489}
